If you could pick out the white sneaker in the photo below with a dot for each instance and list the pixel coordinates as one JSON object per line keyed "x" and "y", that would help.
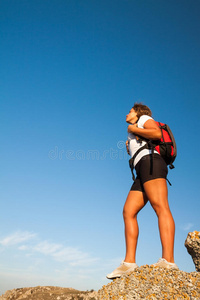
{"x": 163, "y": 263}
{"x": 122, "y": 269}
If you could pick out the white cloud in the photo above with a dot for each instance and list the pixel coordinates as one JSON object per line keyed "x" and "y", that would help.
{"x": 84, "y": 262}
{"x": 17, "y": 238}
{"x": 58, "y": 252}
{"x": 187, "y": 226}
{"x": 69, "y": 254}
{"x": 64, "y": 254}
{"x": 23, "y": 248}
{"x": 47, "y": 248}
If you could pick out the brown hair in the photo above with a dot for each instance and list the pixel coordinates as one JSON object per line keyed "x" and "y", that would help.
{"x": 142, "y": 109}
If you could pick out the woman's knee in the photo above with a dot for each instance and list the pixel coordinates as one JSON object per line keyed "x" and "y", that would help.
{"x": 125, "y": 213}
{"x": 128, "y": 214}
{"x": 135, "y": 201}
{"x": 162, "y": 210}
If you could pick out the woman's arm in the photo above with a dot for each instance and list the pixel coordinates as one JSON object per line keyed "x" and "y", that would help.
{"x": 151, "y": 130}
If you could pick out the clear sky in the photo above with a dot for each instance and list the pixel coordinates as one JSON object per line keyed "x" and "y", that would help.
{"x": 70, "y": 72}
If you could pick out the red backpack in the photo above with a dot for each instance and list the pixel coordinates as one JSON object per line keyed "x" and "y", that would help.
{"x": 166, "y": 146}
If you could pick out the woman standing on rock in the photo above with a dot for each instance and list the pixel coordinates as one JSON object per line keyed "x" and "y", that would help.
{"x": 148, "y": 186}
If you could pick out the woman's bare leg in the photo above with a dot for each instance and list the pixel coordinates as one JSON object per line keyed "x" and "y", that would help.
{"x": 157, "y": 193}
{"x": 135, "y": 201}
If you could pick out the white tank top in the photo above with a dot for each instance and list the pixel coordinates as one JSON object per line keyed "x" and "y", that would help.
{"x": 134, "y": 145}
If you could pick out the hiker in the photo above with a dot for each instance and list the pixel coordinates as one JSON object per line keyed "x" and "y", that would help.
{"x": 149, "y": 185}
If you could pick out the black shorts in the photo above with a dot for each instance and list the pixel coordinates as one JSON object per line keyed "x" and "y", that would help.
{"x": 145, "y": 173}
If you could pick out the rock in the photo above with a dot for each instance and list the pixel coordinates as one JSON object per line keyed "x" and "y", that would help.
{"x": 149, "y": 282}
{"x": 192, "y": 244}
{"x": 48, "y": 293}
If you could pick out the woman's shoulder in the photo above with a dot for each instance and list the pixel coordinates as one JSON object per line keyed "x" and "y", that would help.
{"x": 143, "y": 119}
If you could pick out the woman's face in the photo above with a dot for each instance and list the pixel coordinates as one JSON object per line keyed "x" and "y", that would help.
{"x": 131, "y": 118}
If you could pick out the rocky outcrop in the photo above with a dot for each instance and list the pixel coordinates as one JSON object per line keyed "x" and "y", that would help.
{"x": 48, "y": 293}
{"x": 148, "y": 282}
{"x": 154, "y": 283}
{"x": 192, "y": 244}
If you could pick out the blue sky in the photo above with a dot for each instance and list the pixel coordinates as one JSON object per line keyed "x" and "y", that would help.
{"x": 70, "y": 72}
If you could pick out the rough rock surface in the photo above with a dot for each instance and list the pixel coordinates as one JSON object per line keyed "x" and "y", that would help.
{"x": 154, "y": 283}
{"x": 192, "y": 244}
{"x": 48, "y": 293}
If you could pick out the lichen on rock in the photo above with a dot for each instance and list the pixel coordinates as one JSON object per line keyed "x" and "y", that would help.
{"x": 149, "y": 282}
